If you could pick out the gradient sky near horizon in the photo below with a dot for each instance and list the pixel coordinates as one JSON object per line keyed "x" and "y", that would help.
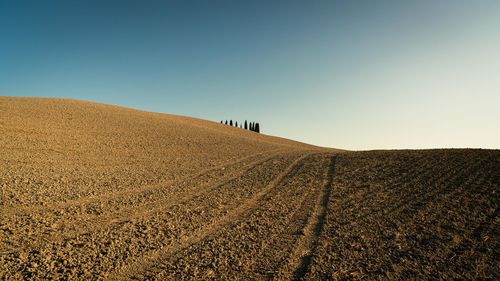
{"x": 346, "y": 74}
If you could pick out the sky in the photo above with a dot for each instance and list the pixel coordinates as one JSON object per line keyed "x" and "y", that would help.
{"x": 347, "y": 74}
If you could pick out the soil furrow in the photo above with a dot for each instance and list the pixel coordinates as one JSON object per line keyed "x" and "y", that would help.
{"x": 389, "y": 194}
{"x": 148, "y": 234}
{"x": 409, "y": 232}
{"x": 356, "y": 195}
{"x": 455, "y": 244}
{"x": 448, "y": 182}
{"x": 135, "y": 191}
{"x": 256, "y": 223}
{"x": 118, "y": 211}
{"x": 277, "y": 248}
{"x": 147, "y": 262}
{"x": 305, "y": 248}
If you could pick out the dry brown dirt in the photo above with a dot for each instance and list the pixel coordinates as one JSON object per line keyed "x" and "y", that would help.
{"x": 93, "y": 191}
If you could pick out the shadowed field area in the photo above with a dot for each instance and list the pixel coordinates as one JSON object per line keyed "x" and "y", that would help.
{"x": 92, "y": 191}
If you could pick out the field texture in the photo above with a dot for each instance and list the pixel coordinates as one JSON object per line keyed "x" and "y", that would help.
{"x": 92, "y": 191}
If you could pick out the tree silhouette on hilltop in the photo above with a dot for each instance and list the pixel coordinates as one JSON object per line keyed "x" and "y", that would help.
{"x": 251, "y": 126}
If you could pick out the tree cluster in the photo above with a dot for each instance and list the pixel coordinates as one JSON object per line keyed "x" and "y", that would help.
{"x": 252, "y": 126}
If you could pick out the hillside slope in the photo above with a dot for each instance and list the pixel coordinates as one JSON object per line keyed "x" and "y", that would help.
{"x": 50, "y": 146}
{"x": 93, "y": 192}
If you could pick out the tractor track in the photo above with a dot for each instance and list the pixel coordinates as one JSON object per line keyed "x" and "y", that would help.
{"x": 148, "y": 262}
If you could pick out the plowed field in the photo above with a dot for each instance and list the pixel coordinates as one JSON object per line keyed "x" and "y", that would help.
{"x": 161, "y": 197}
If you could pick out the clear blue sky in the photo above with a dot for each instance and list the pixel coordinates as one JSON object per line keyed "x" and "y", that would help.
{"x": 347, "y": 74}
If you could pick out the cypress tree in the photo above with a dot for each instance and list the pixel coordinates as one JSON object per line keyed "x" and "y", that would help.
{"x": 221, "y": 121}
{"x": 257, "y": 127}
{"x": 226, "y": 122}
{"x": 230, "y": 122}
{"x": 246, "y": 125}
{"x": 236, "y": 125}
{"x": 251, "y": 126}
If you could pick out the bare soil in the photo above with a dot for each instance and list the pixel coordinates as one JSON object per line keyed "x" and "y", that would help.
{"x": 92, "y": 191}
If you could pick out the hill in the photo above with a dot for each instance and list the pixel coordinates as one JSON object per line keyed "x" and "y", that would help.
{"x": 52, "y": 144}
{"x": 92, "y": 191}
